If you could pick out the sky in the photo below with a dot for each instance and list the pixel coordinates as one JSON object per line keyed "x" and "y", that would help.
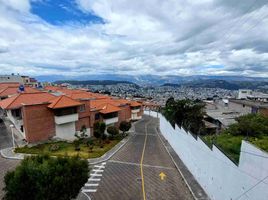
{"x": 156, "y": 37}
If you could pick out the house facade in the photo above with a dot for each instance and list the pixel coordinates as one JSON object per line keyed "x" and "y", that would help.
{"x": 62, "y": 113}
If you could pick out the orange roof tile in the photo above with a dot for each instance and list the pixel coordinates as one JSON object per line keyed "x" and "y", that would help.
{"x": 19, "y": 100}
{"x": 135, "y": 103}
{"x": 11, "y": 84}
{"x": 8, "y": 91}
{"x": 108, "y": 108}
{"x": 63, "y": 102}
{"x": 104, "y": 106}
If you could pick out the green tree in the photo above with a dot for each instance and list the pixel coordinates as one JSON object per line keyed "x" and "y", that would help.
{"x": 124, "y": 126}
{"x": 99, "y": 132}
{"x": 249, "y": 125}
{"x": 113, "y": 131}
{"x": 43, "y": 177}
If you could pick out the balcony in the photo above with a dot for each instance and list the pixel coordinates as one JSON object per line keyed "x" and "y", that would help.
{"x": 66, "y": 118}
{"x": 110, "y": 120}
{"x": 135, "y": 110}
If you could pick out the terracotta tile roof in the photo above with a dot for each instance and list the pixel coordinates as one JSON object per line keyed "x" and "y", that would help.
{"x": 104, "y": 106}
{"x": 82, "y": 95}
{"x": 135, "y": 103}
{"x": 108, "y": 108}
{"x": 63, "y": 102}
{"x": 11, "y": 84}
{"x": 8, "y": 91}
{"x": 19, "y": 100}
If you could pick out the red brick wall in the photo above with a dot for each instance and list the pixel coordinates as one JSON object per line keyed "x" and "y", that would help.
{"x": 264, "y": 111}
{"x": 81, "y": 122}
{"x": 39, "y": 123}
{"x": 124, "y": 114}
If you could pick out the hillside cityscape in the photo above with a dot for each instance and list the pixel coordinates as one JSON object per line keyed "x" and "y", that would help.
{"x": 133, "y": 100}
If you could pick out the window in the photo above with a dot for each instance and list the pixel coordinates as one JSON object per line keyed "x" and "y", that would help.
{"x": 82, "y": 108}
{"x": 97, "y": 116}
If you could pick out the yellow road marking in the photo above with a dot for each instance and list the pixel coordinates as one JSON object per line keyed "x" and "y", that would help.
{"x": 162, "y": 176}
{"x": 142, "y": 156}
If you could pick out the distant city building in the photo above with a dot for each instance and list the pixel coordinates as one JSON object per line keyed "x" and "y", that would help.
{"x": 11, "y": 78}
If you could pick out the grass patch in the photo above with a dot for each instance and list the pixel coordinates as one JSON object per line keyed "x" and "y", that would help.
{"x": 231, "y": 144}
{"x": 68, "y": 149}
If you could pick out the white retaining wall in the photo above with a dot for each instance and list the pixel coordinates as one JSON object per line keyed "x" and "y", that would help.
{"x": 215, "y": 172}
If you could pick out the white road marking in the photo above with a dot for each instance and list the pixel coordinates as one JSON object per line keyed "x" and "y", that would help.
{"x": 104, "y": 163}
{"x": 95, "y": 175}
{"x": 89, "y": 190}
{"x": 99, "y": 166}
{"x": 93, "y": 179}
{"x": 97, "y": 170}
{"x": 91, "y": 184}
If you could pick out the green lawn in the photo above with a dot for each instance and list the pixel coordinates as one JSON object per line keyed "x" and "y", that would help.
{"x": 68, "y": 149}
{"x": 231, "y": 144}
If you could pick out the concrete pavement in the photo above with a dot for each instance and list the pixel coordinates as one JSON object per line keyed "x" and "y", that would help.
{"x": 5, "y": 164}
{"x": 133, "y": 172}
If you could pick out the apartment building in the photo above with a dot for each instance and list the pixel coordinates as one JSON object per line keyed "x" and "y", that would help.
{"x": 58, "y": 112}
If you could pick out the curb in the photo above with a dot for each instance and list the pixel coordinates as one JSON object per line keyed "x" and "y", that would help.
{"x": 12, "y": 157}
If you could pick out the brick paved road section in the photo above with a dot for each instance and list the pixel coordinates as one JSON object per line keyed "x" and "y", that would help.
{"x": 5, "y": 165}
{"x": 121, "y": 178}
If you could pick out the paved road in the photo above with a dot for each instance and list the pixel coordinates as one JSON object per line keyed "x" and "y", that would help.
{"x": 5, "y": 164}
{"x": 133, "y": 172}
{"x": 5, "y": 137}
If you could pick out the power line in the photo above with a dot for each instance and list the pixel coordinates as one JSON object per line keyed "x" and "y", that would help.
{"x": 239, "y": 20}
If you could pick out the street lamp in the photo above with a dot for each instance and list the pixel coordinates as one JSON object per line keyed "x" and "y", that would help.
{"x": 12, "y": 133}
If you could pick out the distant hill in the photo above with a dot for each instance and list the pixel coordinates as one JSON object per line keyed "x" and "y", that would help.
{"x": 170, "y": 85}
{"x": 230, "y": 84}
{"x": 94, "y": 82}
{"x": 152, "y": 79}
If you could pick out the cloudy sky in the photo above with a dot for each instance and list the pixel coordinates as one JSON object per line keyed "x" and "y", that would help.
{"x": 171, "y": 37}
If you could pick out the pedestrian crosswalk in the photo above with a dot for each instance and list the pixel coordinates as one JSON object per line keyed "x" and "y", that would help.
{"x": 95, "y": 177}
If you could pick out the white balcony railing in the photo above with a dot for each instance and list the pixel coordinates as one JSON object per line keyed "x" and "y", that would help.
{"x": 135, "y": 110}
{"x": 66, "y": 118}
{"x": 110, "y": 120}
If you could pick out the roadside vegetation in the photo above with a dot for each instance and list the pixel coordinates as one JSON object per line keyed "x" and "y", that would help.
{"x": 84, "y": 146}
{"x": 186, "y": 113}
{"x": 251, "y": 127}
{"x": 44, "y": 177}
{"x": 189, "y": 114}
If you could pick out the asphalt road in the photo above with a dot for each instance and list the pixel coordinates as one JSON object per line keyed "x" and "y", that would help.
{"x": 5, "y": 164}
{"x": 5, "y": 137}
{"x": 134, "y": 171}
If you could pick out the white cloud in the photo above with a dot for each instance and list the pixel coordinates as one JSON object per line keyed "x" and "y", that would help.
{"x": 138, "y": 37}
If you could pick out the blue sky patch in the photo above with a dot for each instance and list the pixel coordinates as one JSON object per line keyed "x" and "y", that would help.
{"x": 59, "y": 12}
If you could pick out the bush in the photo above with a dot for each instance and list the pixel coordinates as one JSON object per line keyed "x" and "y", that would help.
{"x": 112, "y": 130}
{"x": 43, "y": 177}
{"x": 125, "y": 126}
{"x": 254, "y": 125}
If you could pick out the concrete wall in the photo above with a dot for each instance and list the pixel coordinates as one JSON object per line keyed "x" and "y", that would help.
{"x": 215, "y": 172}
{"x": 66, "y": 131}
{"x": 240, "y": 108}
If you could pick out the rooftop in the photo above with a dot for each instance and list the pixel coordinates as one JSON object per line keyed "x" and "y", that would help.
{"x": 63, "y": 102}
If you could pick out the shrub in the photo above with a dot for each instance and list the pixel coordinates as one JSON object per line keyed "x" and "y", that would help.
{"x": 125, "y": 126}
{"x": 43, "y": 177}
{"x": 112, "y": 130}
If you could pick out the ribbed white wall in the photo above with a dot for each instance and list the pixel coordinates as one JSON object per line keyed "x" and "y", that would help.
{"x": 215, "y": 172}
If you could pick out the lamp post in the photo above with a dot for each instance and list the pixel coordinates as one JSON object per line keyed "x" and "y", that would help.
{"x": 12, "y": 133}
